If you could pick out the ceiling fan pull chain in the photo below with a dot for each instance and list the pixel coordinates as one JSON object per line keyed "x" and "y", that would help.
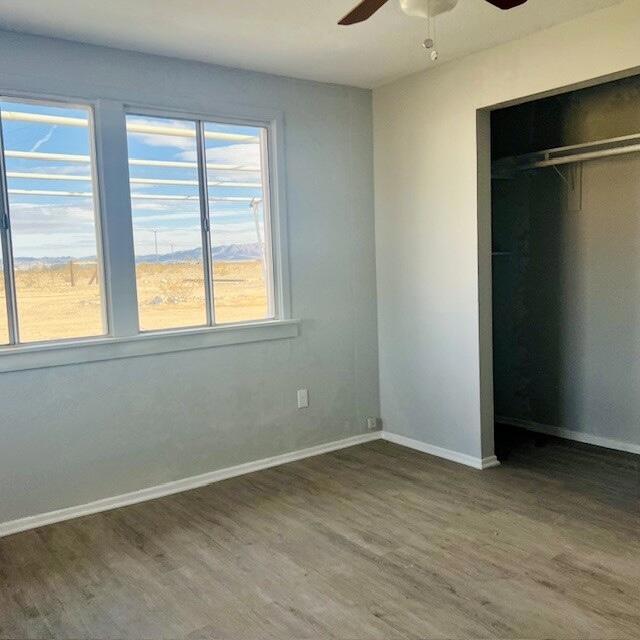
{"x": 429, "y": 43}
{"x": 434, "y": 51}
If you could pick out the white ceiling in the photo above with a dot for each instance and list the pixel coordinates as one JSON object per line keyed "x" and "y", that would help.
{"x": 298, "y": 38}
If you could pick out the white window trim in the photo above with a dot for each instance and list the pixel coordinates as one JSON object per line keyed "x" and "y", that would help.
{"x": 12, "y": 310}
{"x": 200, "y": 120}
{"x": 61, "y": 353}
{"x": 273, "y": 122}
{"x": 113, "y": 204}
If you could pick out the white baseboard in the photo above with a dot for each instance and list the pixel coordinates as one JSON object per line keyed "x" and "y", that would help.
{"x": 32, "y": 522}
{"x": 490, "y": 462}
{"x": 568, "y": 434}
{"x": 169, "y": 488}
{"x": 447, "y": 454}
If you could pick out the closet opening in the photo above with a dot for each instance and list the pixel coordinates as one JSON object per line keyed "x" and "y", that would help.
{"x": 566, "y": 272}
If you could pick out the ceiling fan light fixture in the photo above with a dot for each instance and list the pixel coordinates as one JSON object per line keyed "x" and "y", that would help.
{"x": 420, "y": 8}
{"x": 427, "y": 8}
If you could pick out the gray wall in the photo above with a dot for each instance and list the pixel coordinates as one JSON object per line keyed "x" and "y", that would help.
{"x": 70, "y": 435}
{"x": 567, "y": 299}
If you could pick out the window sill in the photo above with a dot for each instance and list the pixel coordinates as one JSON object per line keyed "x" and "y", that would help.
{"x": 40, "y": 356}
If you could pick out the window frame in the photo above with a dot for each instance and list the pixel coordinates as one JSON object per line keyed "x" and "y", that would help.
{"x": 276, "y": 284}
{"x": 112, "y": 199}
{"x": 6, "y": 248}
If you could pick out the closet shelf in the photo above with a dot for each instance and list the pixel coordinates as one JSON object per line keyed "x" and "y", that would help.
{"x": 503, "y": 167}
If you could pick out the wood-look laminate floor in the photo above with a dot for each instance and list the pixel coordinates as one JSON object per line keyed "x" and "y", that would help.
{"x": 371, "y": 542}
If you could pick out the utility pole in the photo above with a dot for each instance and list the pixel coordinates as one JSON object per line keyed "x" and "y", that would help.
{"x": 255, "y": 203}
{"x": 155, "y": 240}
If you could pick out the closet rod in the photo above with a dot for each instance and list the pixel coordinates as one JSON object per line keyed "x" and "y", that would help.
{"x": 580, "y": 157}
{"x": 567, "y": 155}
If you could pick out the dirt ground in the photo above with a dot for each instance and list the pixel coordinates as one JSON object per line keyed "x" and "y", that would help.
{"x": 64, "y": 302}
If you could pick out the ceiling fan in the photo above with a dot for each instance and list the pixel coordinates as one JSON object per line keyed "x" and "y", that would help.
{"x": 419, "y": 8}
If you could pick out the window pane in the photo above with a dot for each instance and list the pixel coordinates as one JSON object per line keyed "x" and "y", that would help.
{"x": 53, "y": 221}
{"x": 166, "y": 223}
{"x": 239, "y": 235}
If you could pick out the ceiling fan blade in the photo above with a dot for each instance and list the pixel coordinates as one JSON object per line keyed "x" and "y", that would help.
{"x": 506, "y": 4}
{"x": 363, "y": 11}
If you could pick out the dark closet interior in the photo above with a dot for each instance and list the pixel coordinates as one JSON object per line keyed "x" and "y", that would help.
{"x": 566, "y": 267}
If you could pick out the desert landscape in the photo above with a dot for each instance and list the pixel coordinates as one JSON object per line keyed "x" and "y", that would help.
{"x": 63, "y": 301}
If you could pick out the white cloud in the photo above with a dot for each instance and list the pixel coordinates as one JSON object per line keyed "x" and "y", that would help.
{"x": 184, "y": 210}
{"x": 182, "y": 143}
{"x": 234, "y": 233}
{"x": 166, "y": 217}
{"x": 236, "y": 154}
{"x": 243, "y": 154}
{"x": 149, "y": 206}
{"x": 44, "y": 138}
{"x": 38, "y": 245}
{"x": 69, "y": 230}
{"x": 61, "y": 169}
{"x": 52, "y": 230}
{"x": 32, "y": 218}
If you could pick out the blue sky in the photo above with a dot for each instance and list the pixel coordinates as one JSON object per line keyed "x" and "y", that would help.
{"x": 57, "y": 225}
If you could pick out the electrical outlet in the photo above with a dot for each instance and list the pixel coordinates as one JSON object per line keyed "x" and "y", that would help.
{"x": 374, "y": 424}
{"x": 303, "y": 398}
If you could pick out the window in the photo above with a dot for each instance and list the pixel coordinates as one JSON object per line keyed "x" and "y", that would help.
{"x": 132, "y": 234}
{"x": 52, "y": 285}
{"x": 199, "y": 194}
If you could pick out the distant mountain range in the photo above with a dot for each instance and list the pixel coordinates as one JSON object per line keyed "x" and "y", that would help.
{"x": 226, "y": 253}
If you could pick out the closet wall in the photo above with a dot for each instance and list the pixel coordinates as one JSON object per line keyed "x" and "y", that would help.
{"x": 567, "y": 270}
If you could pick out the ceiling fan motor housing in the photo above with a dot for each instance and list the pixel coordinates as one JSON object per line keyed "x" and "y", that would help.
{"x": 427, "y": 8}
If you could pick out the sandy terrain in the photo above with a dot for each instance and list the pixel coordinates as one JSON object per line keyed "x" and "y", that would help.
{"x": 53, "y": 305}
